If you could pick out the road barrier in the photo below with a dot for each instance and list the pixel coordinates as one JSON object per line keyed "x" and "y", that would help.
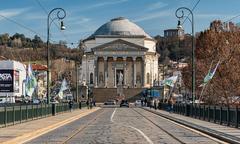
{"x": 10, "y": 115}
{"x": 229, "y": 116}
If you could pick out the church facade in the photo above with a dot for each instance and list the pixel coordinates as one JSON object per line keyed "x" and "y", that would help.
{"x": 119, "y": 52}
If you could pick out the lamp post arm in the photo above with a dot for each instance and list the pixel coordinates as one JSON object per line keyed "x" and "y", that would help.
{"x": 59, "y": 17}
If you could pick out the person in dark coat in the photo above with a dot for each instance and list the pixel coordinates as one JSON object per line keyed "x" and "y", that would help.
{"x": 70, "y": 105}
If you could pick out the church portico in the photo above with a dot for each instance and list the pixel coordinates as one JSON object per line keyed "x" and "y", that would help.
{"x": 108, "y": 68}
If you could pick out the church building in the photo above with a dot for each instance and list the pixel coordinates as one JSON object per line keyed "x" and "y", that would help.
{"x": 119, "y": 52}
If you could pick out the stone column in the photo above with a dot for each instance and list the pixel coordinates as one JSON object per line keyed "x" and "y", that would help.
{"x": 105, "y": 71}
{"x": 134, "y": 72}
{"x": 114, "y": 72}
{"x": 125, "y": 71}
{"x": 96, "y": 71}
{"x": 143, "y": 71}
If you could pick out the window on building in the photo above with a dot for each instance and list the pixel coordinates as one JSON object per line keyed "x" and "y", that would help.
{"x": 91, "y": 78}
{"x": 148, "y": 78}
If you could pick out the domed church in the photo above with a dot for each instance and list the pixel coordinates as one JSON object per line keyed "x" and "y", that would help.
{"x": 119, "y": 53}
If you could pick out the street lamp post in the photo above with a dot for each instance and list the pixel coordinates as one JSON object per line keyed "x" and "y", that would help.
{"x": 59, "y": 17}
{"x": 181, "y": 15}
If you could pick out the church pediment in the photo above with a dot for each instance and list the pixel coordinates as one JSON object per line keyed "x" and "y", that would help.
{"x": 120, "y": 45}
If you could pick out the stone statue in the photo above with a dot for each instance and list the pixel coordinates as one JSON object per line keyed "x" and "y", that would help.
{"x": 120, "y": 78}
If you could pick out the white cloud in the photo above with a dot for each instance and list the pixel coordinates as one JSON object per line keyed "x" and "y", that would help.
{"x": 78, "y": 20}
{"x": 97, "y": 5}
{"x": 35, "y": 16}
{"x": 150, "y": 16}
{"x": 213, "y": 16}
{"x": 13, "y": 12}
{"x": 157, "y": 5}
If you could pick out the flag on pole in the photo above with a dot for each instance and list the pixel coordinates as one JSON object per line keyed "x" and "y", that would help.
{"x": 31, "y": 82}
{"x": 63, "y": 88}
{"x": 170, "y": 81}
{"x": 210, "y": 75}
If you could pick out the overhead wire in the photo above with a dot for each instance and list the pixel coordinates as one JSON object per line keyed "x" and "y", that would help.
{"x": 21, "y": 25}
{"x": 46, "y": 12}
{"x": 192, "y": 11}
{"x": 233, "y": 18}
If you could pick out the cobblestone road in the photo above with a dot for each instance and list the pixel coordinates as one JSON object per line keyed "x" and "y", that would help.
{"x": 119, "y": 126}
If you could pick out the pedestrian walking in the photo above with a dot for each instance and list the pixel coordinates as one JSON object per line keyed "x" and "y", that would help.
{"x": 70, "y": 103}
{"x": 170, "y": 106}
{"x": 87, "y": 103}
{"x": 155, "y": 104}
{"x": 145, "y": 102}
{"x": 94, "y": 103}
{"x": 91, "y": 103}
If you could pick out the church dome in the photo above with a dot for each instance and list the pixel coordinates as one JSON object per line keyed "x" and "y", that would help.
{"x": 120, "y": 27}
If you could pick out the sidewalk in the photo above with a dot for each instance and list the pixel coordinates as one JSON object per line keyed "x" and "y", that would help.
{"x": 23, "y": 132}
{"x": 225, "y": 133}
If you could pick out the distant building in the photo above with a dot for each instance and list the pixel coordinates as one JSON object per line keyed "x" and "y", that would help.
{"x": 169, "y": 33}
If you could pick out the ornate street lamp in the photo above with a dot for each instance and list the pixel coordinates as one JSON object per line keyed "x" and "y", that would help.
{"x": 180, "y": 14}
{"x": 61, "y": 14}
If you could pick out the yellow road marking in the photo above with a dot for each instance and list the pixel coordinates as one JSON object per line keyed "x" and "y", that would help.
{"x": 29, "y": 136}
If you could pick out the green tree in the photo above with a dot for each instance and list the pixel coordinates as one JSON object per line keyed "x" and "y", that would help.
{"x": 37, "y": 42}
{"x": 4, "y": 38}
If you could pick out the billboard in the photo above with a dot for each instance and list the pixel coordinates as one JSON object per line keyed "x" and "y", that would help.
{"x": 6, "y": 81}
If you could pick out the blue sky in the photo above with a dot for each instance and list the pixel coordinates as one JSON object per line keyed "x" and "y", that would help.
{"x": 85, "y": 16}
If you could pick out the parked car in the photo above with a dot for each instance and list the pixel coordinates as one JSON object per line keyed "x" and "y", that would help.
{"x": 138, "y": 103}
{"x": 124, "y": 103}
{"x": 110, "y": 102}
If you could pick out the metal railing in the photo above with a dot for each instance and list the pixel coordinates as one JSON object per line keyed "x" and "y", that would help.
{"x": 10, "y": 115}
{"x": 229, "y": 116}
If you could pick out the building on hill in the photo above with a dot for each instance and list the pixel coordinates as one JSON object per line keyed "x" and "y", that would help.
{"x": 119, "y": 47}
{"x": 170, "y": 33}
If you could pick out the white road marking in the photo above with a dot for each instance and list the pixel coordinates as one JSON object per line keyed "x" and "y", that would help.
{"x": 113, "y": 115}
{"x": 146, "y": 137}
{"x": 138, "y": 130}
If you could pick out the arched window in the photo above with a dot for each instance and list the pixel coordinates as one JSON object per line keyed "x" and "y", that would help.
{"x": 91, "y": 78}
{"x": 148, "y": 78}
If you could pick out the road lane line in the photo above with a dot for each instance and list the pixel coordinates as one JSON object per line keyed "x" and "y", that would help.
{"x": 113, "y": 115}
{"x": 146, "y": 137}
{"x": 138, "y": 130}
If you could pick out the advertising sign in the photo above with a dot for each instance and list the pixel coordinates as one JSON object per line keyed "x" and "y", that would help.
{"x": 6, "y": 80}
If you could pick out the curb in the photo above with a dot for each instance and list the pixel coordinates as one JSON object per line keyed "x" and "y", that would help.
{"x": 29, "y": 136}
{"x": 216, "y": 134}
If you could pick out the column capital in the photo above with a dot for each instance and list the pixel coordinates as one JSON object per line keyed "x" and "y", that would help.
{"x": 124, "y": 58}
{"x": 114, "y": 58}
{"x": 134, "y": 58}
{"x": 105, "y": 58}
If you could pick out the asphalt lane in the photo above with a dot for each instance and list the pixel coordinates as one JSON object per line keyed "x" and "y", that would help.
{"x": 119, "y": 126}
